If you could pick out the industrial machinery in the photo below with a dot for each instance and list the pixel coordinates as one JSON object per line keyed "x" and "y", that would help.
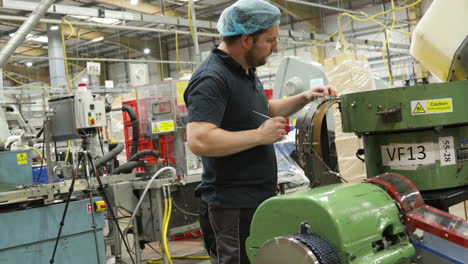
{"x": 353, "y": 223}
{"x": 419, "y": 132}
{"x": 65, "y": 217}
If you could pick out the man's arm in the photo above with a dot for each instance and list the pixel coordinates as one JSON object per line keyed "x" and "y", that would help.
{"x": 207, "y": 139}
{"x": 288, "y": 106}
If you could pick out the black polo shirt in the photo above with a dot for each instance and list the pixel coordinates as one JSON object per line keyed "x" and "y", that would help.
{"x": 220, "y": 92}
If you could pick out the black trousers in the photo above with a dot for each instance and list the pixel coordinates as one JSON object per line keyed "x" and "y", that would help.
{"x": 224, "y": 232}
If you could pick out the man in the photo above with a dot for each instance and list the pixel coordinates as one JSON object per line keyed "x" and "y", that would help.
{"x": 224, "y": 98}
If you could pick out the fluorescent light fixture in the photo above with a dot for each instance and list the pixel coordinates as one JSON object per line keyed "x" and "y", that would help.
{"x": 29, "y": 64}
{"x": 54, "y": 27}
{"x": 84, "y": 80}
{"x": 133, "y": 2}
{"x": 31, "y": 37}
{"x": 108, "y": 21}
{"x": 146, "y": 51}
{"x": 97, "y": 39}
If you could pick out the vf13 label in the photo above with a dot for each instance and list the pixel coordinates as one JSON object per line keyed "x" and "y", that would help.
{"x": 408, "y": 154}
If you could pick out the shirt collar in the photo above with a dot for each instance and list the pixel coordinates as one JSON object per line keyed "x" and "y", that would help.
{"x": 228, "y": 59}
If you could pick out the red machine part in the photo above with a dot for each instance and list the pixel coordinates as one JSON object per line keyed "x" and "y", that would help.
{"x": 142, "y": 143}
{"x": 419, "y": 215}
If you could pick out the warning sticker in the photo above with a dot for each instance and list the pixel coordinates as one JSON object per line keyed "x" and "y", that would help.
{"x": 22, "y": 158}
{"x": 163, "y": 126}
{"x": 434, "y": 106}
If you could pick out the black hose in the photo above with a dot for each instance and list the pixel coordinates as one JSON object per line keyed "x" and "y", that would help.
{"x": 128, "y": 167}
{"x": 144, "y": 153}
{"x": 116, "y": 149}
{"x": 135, "y": 131}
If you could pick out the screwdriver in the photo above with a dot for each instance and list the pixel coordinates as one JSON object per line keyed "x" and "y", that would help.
{"x": 267, "y": 117}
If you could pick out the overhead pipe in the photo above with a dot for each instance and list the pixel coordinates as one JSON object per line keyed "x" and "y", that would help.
{"x": 24, "y": 29}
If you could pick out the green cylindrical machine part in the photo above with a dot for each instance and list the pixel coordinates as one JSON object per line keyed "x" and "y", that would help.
{"x": 420, "y": 132}
{"x": 353, "y": 218}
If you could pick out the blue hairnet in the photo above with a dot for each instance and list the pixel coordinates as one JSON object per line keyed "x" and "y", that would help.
{"x": 247, "y": 17}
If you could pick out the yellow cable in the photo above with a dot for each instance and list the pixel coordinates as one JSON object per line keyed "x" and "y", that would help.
{"x": 179, "y": 68}
{"x": 166, "y": 219}
{"x": 68, "y": 150}
{"x": 189, "y": 17}
{"x": 72, "y": 29}
{"x": 379, "y": 14}
{"x": 384, "y": 50}
{"x": 39, "y": 153}
{"x": 65, "y": 60}
{"x": 157, "y": 260}
{"x": 42, "y": 87}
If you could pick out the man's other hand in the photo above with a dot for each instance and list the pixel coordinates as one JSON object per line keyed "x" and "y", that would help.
{"x": 320, "y": 91}
{"x": 272, "y": 130}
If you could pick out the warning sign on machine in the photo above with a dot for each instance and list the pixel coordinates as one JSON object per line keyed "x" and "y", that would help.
{"x": 434, "y": 106}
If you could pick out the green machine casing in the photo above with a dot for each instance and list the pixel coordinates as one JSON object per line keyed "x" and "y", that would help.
{"x": 352, "y": 217}
{"x": 419, "y": 131}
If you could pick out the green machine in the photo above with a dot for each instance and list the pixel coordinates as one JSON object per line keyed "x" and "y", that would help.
{"x": 346, "y": 223}
{"x": 420, "y": 132}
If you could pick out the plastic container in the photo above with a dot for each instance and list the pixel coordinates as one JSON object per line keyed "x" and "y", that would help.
{"x": 439, "y": 34}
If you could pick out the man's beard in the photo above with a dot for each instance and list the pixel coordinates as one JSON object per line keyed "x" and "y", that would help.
{"x": 253, "y": 60}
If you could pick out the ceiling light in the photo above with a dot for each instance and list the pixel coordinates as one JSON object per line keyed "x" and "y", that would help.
{"x": 54, "y": 27}
{"x": 146, "y": 51}
{"x": 84, "y": 80}
{"x": 29, "y": 64}
{"x": 108, "y": 21}
{"x": 133, "y": 2}
{"x": 97, "y": 39}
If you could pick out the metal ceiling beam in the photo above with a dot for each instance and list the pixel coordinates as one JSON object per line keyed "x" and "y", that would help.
{"x": 339, "y": 9}
{"x": 105, "y": 13}
{"x": 301, "y": 12}
{"x": 30, "y": 73}
{"x": 25, "y": 28}
{"x": 142, "y": 7}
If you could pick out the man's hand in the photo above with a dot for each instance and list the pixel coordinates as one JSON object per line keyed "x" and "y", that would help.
{"x": 272, "y": 130}
{"x": 320, "y": 91}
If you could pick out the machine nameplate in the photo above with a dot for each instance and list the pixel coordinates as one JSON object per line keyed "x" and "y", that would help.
{"x": 408, "y": 154}
{"x": 446, "y": 151}
{"x": 434, "y": 106}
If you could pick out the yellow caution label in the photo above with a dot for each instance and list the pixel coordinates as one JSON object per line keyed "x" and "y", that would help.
{"x": 434, "y": 106}
{"x": 419, "y": 109}
{"x": 163, "y": 126}
{"x": 166, "y": 126}
{"x": 22, "y": 158}
{"x": 439, "y": 106}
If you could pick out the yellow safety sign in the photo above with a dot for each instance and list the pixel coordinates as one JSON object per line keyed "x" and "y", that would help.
{"x": 155, "y": 128}
{"x": 419, "y": 109}
{"x": 432, "y": 106}
{"x": 163, "y": 126}
{"x": 22, "y": 158}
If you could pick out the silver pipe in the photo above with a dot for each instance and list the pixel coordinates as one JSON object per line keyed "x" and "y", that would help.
{"x": 100, "y": 59}
{"x": 25, "y": 28}
{"x": 195, "y": 33}
{"x": 100, "y": 25}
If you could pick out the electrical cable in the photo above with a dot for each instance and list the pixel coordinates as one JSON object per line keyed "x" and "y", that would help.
{"x": 100, "y": 140}
{"x": 182, "y": 211}
{"x": 65, "y": 59}
{"x": 68, "y": 151}
{"x": 38, "y": 152}
{"x": 145, "y": 191}
{"x": 167, "y": 218}
{"x": 62, "y": 222}
{"x": 111, "y": 211}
